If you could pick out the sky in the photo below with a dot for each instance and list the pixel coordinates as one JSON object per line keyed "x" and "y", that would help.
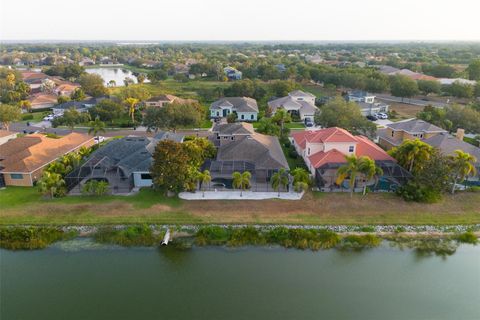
{"x": 226, "y": 20}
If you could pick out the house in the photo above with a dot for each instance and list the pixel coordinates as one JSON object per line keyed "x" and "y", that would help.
{"x": 297, "y": 103}
{"x": 6, "y": 135}
{"x": 66, "y": 88}
{"x": 22, "y": 160}
{"x": 240, "y": 149}
{"x": 42, "y": 100}
{"x": 448, "y": 82}
{"x": 245, "y": 108}
{"x": 160, "y": 101}
{"x": 391, "y": 71}
{"x": 366, "y": 102}
{"x": 124, "y": 163}
{"x": 232, "y": 73}
{"x": 397, "y": 132}
{"x": 86, "y": 62}
{"x": 324, "y": 152}
{"x": 80, "y": 106}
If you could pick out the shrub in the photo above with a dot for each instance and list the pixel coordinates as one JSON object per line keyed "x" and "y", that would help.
{"x": 360, "y": 242}
{"x": 141, "y": 235}
{"x": 95, "y": 188}
{"x": 27, "y": 117}
{"x": 467, "y": 237}
{"x": 30, "y": 238}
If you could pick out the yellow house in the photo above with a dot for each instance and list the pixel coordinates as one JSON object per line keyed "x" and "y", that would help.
{"x": 22, "y": 160}
{"x": 412, "y": 129}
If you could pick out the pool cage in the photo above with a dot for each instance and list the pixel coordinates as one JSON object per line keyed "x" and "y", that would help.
{"x": 100, "y": 168}
{"x": 222, "y": 171}
{"x": 393, "y": 176}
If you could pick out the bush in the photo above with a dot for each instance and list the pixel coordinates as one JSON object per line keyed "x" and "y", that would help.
{"x": 131, "y": 236}
{"x": 467, "y": 237}
{"x": 30, "y": 238}
{"x": 95, "y": 188}
{"x": 27, "y": 117}
{"x": 413, "y": 191}
{"x": 360, "y": 242}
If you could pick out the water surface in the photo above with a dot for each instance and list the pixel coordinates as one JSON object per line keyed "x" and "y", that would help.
{"x": 82, "y": 280}
{"x": 113, "y": 73}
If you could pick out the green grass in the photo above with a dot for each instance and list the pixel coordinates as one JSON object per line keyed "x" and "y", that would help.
{"x": 37, "y": 116}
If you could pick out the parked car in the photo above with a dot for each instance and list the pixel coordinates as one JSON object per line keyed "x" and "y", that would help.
{"x": 371, "y": 117}
{"x": 382, "y": 115}
{"x": 309, "y": 123}
{"x": 50, "y": 117}
{"x": 99, "y": 139}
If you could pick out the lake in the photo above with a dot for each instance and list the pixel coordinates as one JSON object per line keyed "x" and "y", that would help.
{"x": 114, "y": 73}
{"x": 79, "y": 279}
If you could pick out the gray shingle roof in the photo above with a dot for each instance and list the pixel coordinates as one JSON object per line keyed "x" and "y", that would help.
{"x": 236, "y": 128}
{"x": 262, "y": 150}
{"x": 448, "y": 144}
{"x": 239, "y": 104}
{"x": 415, "y": 125}
{"x": 289, "y": 103}
{"x": 300, "y": 93}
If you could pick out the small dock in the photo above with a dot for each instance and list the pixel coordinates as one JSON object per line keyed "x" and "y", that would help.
{"x": 166, "y": 238}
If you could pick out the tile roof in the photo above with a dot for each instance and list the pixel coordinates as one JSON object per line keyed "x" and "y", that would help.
{"x": 43, "y": 98}
{"x": 300, "y": 93}
{"x": 236, "y": 128}
{"x": 29, "y": 153}
{"x": 333, "y": 134}
{"x": 447, "y": 144}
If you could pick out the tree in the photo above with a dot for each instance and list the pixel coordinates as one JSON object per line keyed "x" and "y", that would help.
{"x": 71, "y": 117}
{"x": 280, "y": 179}
{"x": 281, "y": 117}
{"x": 241, "y": 181}
{"x": 232, "y": 117}
{"x": 131, "y": 102}
{"x": 369, "y": 170}
{"x": 349, "y": 170}
{"x": 203, "y": 178}
{"x": 96, "y": 126}
{"x": 92, "y": 84}
{"x": 78, "y": 95}
{"x": 427, "y": 87}
{"x": 52, "y": 184}
{"x": 402, "y": 86}
{"x": 282, "y": 88}
{"x": 459, "y": 90}
{"x": 463, "y": 165}
{"x": 157, "y": 75}
{"x": 141, "y": 78}
{"x": 170, "y": 166}
{"x": 62, "y": 99}
{"x": 172, "y": 116}
{"x": 473, "y": 70}
{"x": 347, "y": 115}
{"x": 25, "y": 105}
{"x": 9, "y": 114}
{"x": 107, "y": 110}
{"x": 137, "y": 92}
{"x": 412, "y": 154}
{"x": 268, "y": 126}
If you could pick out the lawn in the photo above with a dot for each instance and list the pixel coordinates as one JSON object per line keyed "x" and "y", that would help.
{"x": 27, "y": 206}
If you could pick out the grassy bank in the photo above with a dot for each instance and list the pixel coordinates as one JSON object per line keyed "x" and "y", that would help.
{"x": 23, "y": 205}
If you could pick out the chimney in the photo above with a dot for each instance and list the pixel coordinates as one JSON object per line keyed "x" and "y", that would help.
{"x": 460, "y": 134}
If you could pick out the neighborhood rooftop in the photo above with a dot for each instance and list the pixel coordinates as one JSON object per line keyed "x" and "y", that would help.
{"x": 415, "y": 125}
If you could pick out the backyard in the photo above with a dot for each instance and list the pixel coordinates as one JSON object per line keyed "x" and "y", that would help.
{"x": 21, "y": 205}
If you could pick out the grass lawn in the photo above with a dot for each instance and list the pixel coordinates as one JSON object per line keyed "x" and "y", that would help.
{"x": 37, "y": 116}
{"x": 27, "y": 206}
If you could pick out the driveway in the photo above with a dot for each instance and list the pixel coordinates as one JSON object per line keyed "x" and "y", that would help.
{"x": 382, "y": 122}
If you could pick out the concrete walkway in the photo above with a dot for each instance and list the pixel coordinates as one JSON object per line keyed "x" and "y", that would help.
{"x": 235, "y": 195}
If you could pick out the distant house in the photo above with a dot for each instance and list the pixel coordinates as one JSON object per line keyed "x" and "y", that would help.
{"x": 80, "y": 106}
{"x": 245, "y": 108}
{"x": 316, "y": 59}
{"x": 448, "y": 82}
{"x": 160, "y": 101}
{"x": 397, "y": 132}
{"x": 366, "y": 102}
{"x": 86, "y": 62}
{"x": 5, "y": 136}
{"x": 232, "y": 73}
{"x": 22, "y": 160}
{"x": 66, "y": 88}
{"x": 281, "y": 68}
{"x": 42, "y": 100}
{"x": 124, "y": 163}
{"x": 240, "y": 149}
{"x": 297, "y": 103}
{"x": 391, "y": 71}
{"x": 324, "y": 152}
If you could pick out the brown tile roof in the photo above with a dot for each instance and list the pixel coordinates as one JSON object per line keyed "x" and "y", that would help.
{"x": 29, "y": 153}
{"x": 43, "y": 98}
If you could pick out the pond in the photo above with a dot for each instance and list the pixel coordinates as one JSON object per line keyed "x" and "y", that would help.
{"x": 79, "y": 279}
{"x": 113, "y": 73}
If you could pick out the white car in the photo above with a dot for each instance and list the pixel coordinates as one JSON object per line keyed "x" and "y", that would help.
{"x": 50, "y": 117}
{"x": 99, "y": 139}
{"x": 382, "y": 115}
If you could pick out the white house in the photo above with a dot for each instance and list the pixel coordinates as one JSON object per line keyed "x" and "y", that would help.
{"x": 245, "y": 108}
{"x": 297, "y": 102}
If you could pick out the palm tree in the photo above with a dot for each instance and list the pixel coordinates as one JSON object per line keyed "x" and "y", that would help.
{"x": 281, "y": 117}
{"x": 280, "y": 179}
{"x": 204, "y": 177}
{"x": 241, "y": 181}
{"x": 132, "y": 102}
{"x": 369, "y": 170}
{"x": 412, "y": 153}
{"x": 51, "y": 183}
{"x": 351, "y": 169}
{"x": 463, "y": 165}
{"x": 96, "y": 126}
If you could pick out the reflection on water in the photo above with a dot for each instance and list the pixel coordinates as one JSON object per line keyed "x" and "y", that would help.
{"x": 118, "y": 75}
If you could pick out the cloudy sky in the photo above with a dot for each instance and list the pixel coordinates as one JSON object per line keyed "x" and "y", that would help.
{"x": 240, "y": 20}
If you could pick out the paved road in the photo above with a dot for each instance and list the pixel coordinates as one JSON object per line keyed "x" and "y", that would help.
{"x": 416, "y": 102}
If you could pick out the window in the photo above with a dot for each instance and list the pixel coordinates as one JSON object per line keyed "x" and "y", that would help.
{"x": 218, "y": 113}
{"x": 218, "y": 137}
{"x": 232, "y": 138}
{"x": 243, "y": 117}
{"x": 251, "y": 117}
{"x": 351, "y": 148}
{"x": 393, "y": 133}
{"x": 308, "y": 151}
{"x": 16, "y": 176}
{"x": 146, "y": 176}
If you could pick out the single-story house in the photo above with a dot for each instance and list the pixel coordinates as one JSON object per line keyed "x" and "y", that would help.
{"x": 324, "y": 152}
{"x": 124, "y": 163}
{"x": 6, "y": 136}
{"x": 80, "y": 106}
{"x": 160, "y": 101}
{"x": 22, "y": 160}
{"x": 43, "y": 100}
{"x": 240, "y": 149}
{"x": 360, "y": 96}
{"x": 232, "y": 73}
{"x": 372, "y": 108}
{"x": 66, "y": 88}
{"x": 297, "y": 102}
{"x": 245, "y": 108}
